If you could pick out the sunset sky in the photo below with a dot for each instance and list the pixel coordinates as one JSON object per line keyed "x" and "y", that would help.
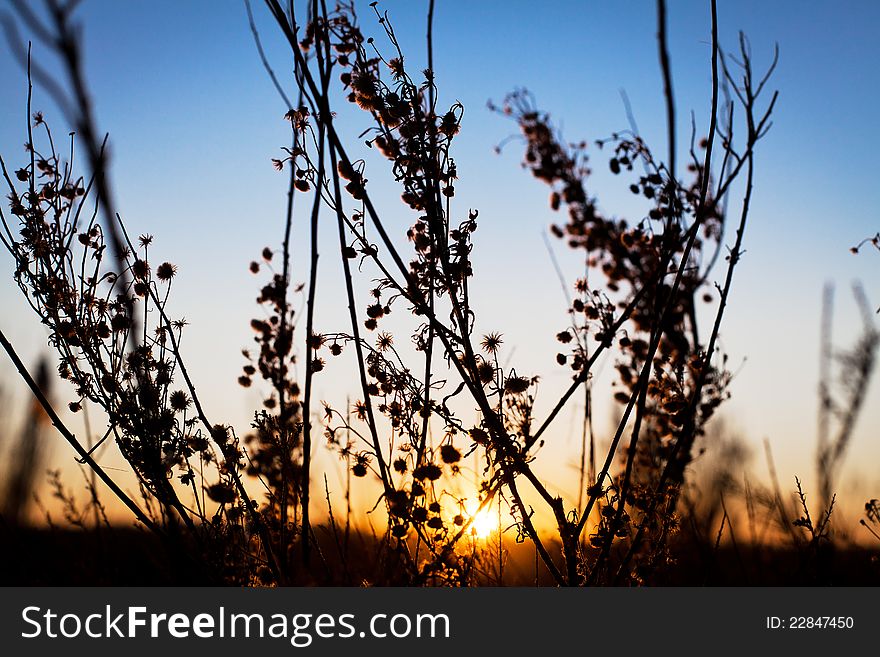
{"x": 194, "y": 121}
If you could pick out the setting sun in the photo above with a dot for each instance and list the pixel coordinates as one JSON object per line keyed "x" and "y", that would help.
{"x": 484, "y": 522}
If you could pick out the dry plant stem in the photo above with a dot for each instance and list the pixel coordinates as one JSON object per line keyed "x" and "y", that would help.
{"x": 754, "y": 133}
{"x": 384, "y": 474}
{"x": 426, "y": 400}
{"x": 323, "y": 109}
{"x": 779, "y": 503}
{"x": 285, "y": 275}
{"x": 468, "y": 377}
{"x": 310, "y": 319}
{"x": 587, "y": 423}
{"x": 408, "y": 290}
{"x": 675, "y": 464}
{"x": 326, "y": 123}
{"x": 334, "y": 530}
{"x": 432, "y": 135}
{"x": 355, "y": 328}
{"x": 289, "y": 33}
{"x": 671, "y": 130}
{"x": 72, "y": 441}
{"x": 265, "y": 61}
{"x": 66, "y": 45}
{"x": 865, "y": 525}
{"x": 584, "y": 374}
{"x": 533, "y": 534}
{"x": 280, "y": 389}
{"x": 667, "y": 84}
{"x": 512, "y": 461}
{"x": 858, "y": 367}
{"x": 724, "y": 519}
{"x": 702, "y": 211}
{"x": 236, "y": 477}
{"x": 64, "y": 41}
{"x": 637, "y": 394}
{"x": 169, "y": 491}
{"x": 442, "y": 334}
{"x": 429, "y": 346}
{"x": 735, "y": 544}
{"x": 30, "y": 129}
{"x": 825, "y": 401}
{"x": 638, "y": 399}
{"x": 335, "y": 141}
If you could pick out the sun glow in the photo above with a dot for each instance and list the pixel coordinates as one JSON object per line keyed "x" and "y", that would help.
{"x": 485, "y": 522}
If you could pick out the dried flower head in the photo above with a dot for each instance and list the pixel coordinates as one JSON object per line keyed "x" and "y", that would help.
{"x": 491, "y": 343}
{"x": 166, "y": 271}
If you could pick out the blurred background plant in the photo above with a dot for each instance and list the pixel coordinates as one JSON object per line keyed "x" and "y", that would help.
{"x": 24, "y": 454}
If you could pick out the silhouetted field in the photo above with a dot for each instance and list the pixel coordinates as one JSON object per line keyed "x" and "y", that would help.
{"x": 128, "y": 557}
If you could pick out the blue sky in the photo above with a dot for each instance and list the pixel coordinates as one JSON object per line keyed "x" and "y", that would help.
{"x": 194, "y": 121}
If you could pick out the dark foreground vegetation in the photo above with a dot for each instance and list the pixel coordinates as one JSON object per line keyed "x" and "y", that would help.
{"x": 129, "y": 557}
